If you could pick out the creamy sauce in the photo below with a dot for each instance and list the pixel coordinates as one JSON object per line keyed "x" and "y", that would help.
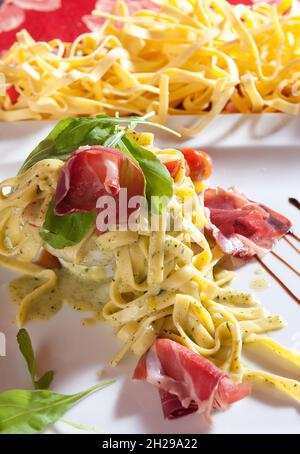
{"x": 260, "y": 283}
{"x": 41, "y": 308}
{"x": 82, "y": 293}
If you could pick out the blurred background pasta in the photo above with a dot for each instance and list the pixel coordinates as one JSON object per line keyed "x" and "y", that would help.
{"x": 185, "y": 57}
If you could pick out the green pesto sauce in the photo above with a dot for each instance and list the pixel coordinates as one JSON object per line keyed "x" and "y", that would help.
{"x": 81, "y": 293}
{"x": 259, "y": 283}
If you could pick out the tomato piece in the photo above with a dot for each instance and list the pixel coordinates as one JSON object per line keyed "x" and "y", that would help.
{"x": 47, "y": 260}
{"x": 13, "y": 94}
{"x": 199, "y": 163}
{"x": 173, "y": 167}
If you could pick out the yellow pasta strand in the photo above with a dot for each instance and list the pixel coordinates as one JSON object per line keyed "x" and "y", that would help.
{"x": 166, "y": 282}
{"x": 191, "y": 58}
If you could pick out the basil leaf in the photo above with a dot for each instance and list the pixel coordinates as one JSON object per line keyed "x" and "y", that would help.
{"x": 159, "y": 183}
{"x": 45, "y": 149}
{"x": 67, "y": 136}
{"x": 114, "y": 140}
{"x": 71, "y": 133}
{"x": 26, "y": 349}
{"x": 28, "y": 412}
{"x": 138, "y": 121}
{"x": 99, "y": 134}
{"x": 67, "y": 230}
{"x": 82, "y": 131}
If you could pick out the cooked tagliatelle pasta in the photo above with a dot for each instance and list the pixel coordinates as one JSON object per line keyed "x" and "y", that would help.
{"x": 190, "y": 57}
{"x": 162, "y": 283}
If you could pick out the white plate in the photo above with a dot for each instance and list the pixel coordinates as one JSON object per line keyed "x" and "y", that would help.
{"x": 263, "y": 164}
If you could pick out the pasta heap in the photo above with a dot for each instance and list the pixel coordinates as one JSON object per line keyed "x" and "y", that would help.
{"x": 163, "y": 283}
{"x": 190, "y": 57}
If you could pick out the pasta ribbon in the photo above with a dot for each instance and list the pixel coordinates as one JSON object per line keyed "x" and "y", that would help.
{"x": 166, "y": 281}
{"x": 197, "y": 58}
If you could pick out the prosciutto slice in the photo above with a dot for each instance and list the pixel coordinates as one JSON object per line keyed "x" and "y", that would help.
{"x": 95, "y": 171}
{"x": 242, "y": 228}
{"x": 187, "y": 382}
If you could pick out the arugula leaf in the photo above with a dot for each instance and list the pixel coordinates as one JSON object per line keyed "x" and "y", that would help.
{"x": 159, "y": 182}
{"x": 26, "y": 349}
{"x": 67, "y": 230}
{"x": 28, "y": 412}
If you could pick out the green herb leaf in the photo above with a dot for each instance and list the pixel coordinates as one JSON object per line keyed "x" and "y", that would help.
{"x": 28, "y": 412}
{"x": 115, "y": 139}
{"x": 67, "y": 136}
{"x": 82, "y": 131}
{"x": 71, "y": 133}
{"x": 26, "y": 349}
{"x": 67, "y": 230}
{"x": 45, "y": 381}
{"x": 139, "y": 121}
{"x": 159, "y": 182}
{"x": 46, "y": 148}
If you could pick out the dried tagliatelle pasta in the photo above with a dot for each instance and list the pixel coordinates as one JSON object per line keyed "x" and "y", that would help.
{"x": 188, "y": 57}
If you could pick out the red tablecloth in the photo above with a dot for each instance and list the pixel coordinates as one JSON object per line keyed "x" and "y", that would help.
{"x": 48, "y": 19}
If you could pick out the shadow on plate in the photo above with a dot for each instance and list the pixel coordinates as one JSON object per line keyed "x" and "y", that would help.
{"x": 144, "y": 400}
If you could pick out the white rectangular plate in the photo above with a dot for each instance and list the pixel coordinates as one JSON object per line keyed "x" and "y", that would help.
{"x": 262, "y": 159}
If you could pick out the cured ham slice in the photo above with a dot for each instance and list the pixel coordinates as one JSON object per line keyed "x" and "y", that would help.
{"x": 95, "y": 171}
{"x": 242, "y": 228}
{"x": 187, "y": 382}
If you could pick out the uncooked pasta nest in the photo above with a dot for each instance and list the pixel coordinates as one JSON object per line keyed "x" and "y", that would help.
{"x": 190, "y": 57}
